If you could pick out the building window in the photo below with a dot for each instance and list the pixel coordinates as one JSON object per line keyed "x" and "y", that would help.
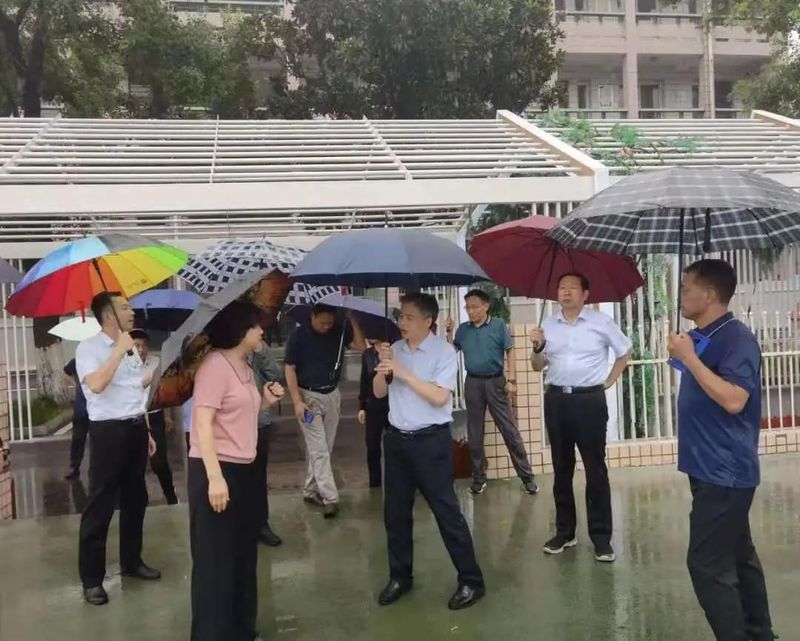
{"x": 722, "y": 94}
{"x": 561, "y": 5}
{"x": 692, "y": 6}
{"x": 646, "y": 6}
{"x": 562, "y": 87}
{"x": 650, "y": 97}
{"x": 583, "y": 96}
{"x": 695, "y": 96}
{"x": 580, "y": 5}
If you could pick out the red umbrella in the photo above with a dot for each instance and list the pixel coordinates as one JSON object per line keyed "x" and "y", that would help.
{"x": 520, "y": 256}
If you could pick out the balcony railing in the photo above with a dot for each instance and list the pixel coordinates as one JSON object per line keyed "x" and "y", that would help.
{"x": 670, "y": 18}
{"x": 593, "y": 17}
{"x": 650, "y": 114}
{"x": 601, "y": 114}
{"x": 731, "y": 112}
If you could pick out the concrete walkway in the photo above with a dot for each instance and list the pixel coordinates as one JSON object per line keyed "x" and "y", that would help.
{"x": 321, "y": 584}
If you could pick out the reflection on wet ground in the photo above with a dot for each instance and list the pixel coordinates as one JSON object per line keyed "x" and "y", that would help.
{"x": 321, "y": 584}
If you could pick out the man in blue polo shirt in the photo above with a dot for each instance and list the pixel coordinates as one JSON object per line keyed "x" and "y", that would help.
{"x": 489, "y": 358}
{"x": 719, "y": 416}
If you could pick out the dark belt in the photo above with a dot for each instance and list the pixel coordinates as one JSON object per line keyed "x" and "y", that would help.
{"x": 484, "y": 376}
{"x": 320, "y": 390}
{"x": 566, "y": 389}
{"x": 420, "y": 433}
{"x": 124, "y": 421}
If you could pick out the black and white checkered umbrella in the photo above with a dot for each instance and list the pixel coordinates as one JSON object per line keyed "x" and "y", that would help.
{"x": 227, "y": 261}
{"x": 717, "y": 209}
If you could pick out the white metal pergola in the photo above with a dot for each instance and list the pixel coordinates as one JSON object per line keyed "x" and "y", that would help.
{"x": 194, "y": 182}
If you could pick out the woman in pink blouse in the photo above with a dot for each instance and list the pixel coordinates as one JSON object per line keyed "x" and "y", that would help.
{"x": 223, "y": 484}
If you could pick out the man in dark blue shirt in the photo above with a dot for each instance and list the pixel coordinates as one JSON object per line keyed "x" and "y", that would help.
{"x": 719, "y": 417}
{"x": 80, "y": 424}
{"x": 313, "y": 366}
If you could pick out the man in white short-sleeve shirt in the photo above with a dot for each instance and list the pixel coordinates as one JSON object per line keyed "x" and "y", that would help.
{"x": 115, "y": 383}
{"x": 574, "y": 346}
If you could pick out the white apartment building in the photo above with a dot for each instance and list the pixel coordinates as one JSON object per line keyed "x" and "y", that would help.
{"x": 653, "y": 59}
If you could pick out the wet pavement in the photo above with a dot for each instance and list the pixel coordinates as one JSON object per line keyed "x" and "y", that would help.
{"x": 321, "y": 584}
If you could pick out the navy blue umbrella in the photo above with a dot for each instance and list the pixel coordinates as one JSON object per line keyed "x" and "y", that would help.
{"x": 370, "y": 315}
{"x": 412, "y": 259}
{"x": 163, "y": 309}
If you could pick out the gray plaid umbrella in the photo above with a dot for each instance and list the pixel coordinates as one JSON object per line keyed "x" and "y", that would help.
{"x": 685, "y": 210}
{"x": 227, "y": 261}
{"x": 718, "y": 210}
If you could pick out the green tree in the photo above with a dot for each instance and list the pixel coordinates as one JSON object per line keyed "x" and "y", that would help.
{"x": 185, "y": 66}
{"x": 777, "y": 87}
{"x": 55, "y": 49}
{"x": 412, "y": 58}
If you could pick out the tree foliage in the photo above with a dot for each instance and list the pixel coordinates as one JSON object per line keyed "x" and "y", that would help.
{"x": 412, "y": 58}
{"x": 777, "y": 87}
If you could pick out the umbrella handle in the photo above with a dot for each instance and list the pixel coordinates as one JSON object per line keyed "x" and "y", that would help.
{"x": 680, "y": 270}
{"x": 105, "y": 289}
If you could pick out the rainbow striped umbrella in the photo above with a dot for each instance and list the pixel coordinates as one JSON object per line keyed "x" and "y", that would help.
{"x": 66, "y": 280}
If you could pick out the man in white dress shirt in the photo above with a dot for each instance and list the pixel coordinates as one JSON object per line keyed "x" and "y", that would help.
{"x": 418, "y": 373}
{"x": 115, "y": 384}
{"x": 574, "y": 346}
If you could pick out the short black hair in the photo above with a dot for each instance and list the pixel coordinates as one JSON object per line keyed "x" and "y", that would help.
{"x": 139, "y": 334}
{"x": 478, "y": 293}
{"x": 322, "y": 308}
{"x": 584, "y": 281}
{"x": 228, "y": 328}
{"x": 103, "y": 301}
{"x": 426, "y": 303}
{"x": 717, "y": 274}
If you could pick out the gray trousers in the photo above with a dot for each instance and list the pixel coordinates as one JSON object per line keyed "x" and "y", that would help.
{"x": 319, "y": 436}
{"x": 481, "y": 393}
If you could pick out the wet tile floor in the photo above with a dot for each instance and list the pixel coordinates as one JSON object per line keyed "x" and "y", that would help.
{"x": 321, "y": 584}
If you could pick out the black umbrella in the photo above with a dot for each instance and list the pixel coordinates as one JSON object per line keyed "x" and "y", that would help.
{"x": 685, "y": 210}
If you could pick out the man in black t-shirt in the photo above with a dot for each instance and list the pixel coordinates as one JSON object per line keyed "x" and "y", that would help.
{"x": 314, "y": 358}
{"x": 80, "y": 424}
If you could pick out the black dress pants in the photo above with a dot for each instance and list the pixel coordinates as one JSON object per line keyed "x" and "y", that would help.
{"x": 579, "y": 420}
{"x": 725, "y": 570}
{"x": 224, "y": 555}
{"x": 260, "y": 464}
{"x": 159, "y": 462}
{"x": 424, "y": 463}
{"x": 118, "y": 451}
{"x": 77, "y": 445}
{"x": 377, "y": 419}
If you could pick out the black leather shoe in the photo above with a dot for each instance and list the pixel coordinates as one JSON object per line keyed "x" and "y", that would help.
{"x": 143, "y": 572}
{"x": 393, "y": 591}
{"x": 96, "y": 595}
{"x": 331, "y": 510}
{"x": 268, "y": 537}
{"x": 465, "y": 596}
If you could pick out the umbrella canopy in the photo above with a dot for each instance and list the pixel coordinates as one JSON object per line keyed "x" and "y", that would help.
{"x": 685, "y": 210}
{"x": 67, "y": 279}
{"x": 213, "y": 269}
{"x": 8, "y": 275}
{"x": 184, "y": 350}
{"x": 370, "y": 315}
{"x": 76, "y": 329}
{"x": 520, "y": 256}
{"x": 388, "y": 258}
{"x": 163, "y": 309}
